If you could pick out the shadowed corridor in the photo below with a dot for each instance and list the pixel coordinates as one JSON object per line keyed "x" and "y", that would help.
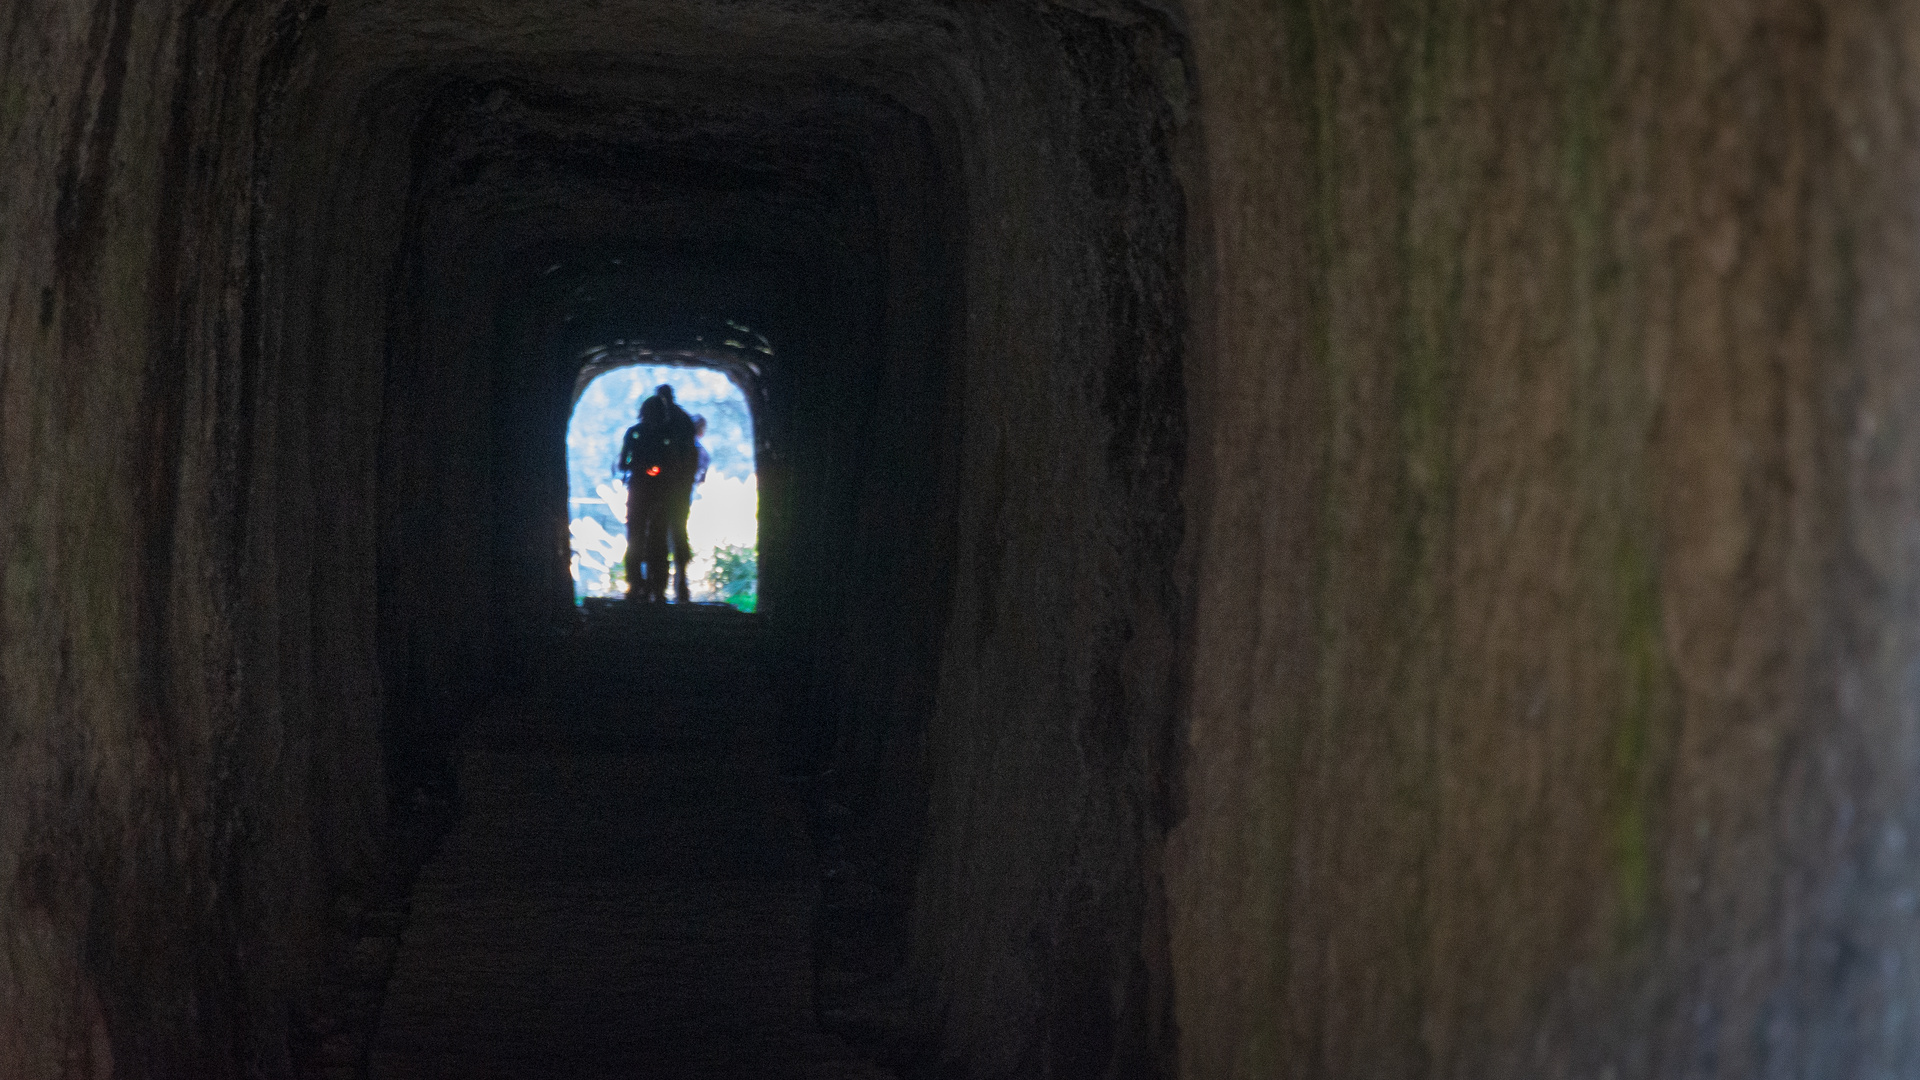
{"x": 627, "y": 888}
{"x": 1312, "y": 539}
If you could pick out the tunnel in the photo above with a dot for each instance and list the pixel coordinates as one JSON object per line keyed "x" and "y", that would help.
{"x": 1295, "y": 538}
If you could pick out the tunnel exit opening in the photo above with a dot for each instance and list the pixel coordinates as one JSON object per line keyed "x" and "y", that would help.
{"x": 723, "y": 523}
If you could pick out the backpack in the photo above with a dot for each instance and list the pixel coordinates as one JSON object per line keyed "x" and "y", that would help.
{"x": 648, "y": 449}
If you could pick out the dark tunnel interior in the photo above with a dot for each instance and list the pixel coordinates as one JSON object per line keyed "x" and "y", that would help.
{"x": 453, "y": 212}
{"x": 1297, "y": 538}
{"x": 549, "y": 216}
{"x": 551, "y": 210}
{"x": 554, "y": 204}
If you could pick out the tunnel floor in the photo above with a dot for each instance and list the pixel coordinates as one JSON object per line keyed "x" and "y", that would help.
{"x": 627, "y": 889}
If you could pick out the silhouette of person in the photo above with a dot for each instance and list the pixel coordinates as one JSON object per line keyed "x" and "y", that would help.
{"x": 681, "y": 474}
{"x": 661, "y": 459}
{"x": 642, "y": 461}
{"x": 706, "y": 459}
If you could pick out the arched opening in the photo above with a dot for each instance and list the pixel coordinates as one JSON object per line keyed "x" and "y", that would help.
{"x": 723, "y": 524}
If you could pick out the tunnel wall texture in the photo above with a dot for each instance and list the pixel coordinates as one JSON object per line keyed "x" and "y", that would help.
{"x": 1553, "y": 705}
{"x": 1035, "y": 925}
{"x": 187, "y": 694}
{"x": 1520, "y": 527}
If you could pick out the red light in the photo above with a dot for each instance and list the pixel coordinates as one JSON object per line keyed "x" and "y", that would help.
{"x": 654, "y": 471}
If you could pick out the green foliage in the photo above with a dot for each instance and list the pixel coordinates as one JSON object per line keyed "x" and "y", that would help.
{"x": 735, "y": 575}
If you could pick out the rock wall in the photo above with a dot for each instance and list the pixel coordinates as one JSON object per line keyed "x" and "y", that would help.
{"x": 1036, "y": 921}
{"x": 187, "y": 695}
{"x": 1552, "y": 702}
{"x": 1446, "y": 463}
